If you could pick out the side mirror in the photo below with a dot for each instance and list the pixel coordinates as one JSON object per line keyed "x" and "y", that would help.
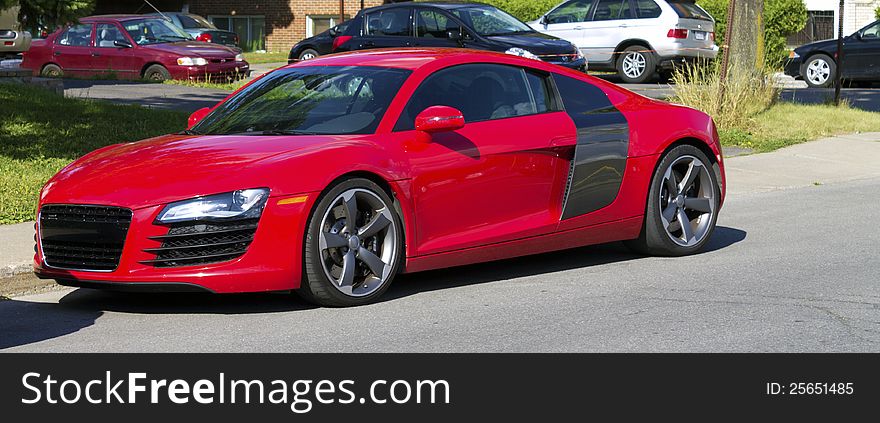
{"x": 124, "y": 44}
{"x": 197, "y": 116}
{"x": 857, "y": 36}
{"x": 543, "y": 20}
{"x": 439, "y": 119}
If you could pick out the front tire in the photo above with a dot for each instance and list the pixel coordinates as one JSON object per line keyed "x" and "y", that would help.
{"x": 683, "y": 203}
{"x": 157, "y": 73}
{"x": 52, "y": 71}
{"x": 308, "y": 54}
{"x": 635, "y": 65}
{"x": 819, "y": 71}
{"x": 353, "y": 245}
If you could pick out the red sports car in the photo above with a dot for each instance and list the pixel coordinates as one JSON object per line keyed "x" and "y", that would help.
{"x": 331, "y": 176}
{"x": 131, "y": 47}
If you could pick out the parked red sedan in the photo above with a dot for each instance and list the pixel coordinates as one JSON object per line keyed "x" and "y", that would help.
{"x": 131, "y": 47}
{"x": 332, "y": 175}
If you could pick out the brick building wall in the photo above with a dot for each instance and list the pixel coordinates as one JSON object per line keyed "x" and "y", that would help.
{"x": 285, "y": 19}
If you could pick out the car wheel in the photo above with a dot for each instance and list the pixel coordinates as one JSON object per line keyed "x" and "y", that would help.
{"x": 157, "y": 73}
{"x": 52, "y": 71}
{"x": 635, "y": 65}
{"x": 683, "y": 204}
{"x": 819, "y": 71}
{"x": 353, "y": 245}
{"x": 308, "y": 54}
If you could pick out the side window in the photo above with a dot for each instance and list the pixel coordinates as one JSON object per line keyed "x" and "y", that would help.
{"x": 647, "y": 9}
{"x": 481, "y": 92}
{"x": 573, "y": 11}
{"x": 433, "y": 24}
{"x": 539, "y": 85}
{"x": 76, "y": 36}
{"x": 872, "y": 32}
{"x": 187, "y": 22}
{"x": 108, "y": 34}
{"x": 607, "y": 10}
{"x": 392, "y": 22}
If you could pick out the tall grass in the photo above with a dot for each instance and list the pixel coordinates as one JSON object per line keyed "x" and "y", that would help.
{"x": 745, "y": 94}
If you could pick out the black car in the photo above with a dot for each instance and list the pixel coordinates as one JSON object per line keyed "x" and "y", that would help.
{"x": 816, "y": 63}
{"x": 463, "y": 25}
{"x": 316, "y": 46}
{"x": 200, "y": 29}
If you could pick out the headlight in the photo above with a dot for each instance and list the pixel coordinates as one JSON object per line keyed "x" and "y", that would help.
{"x": 242, "y": 204}
{"x": 239, "y": 57}
{"x": 192, "y": 61}
{"x": 793, "y": 55}
{"x": 521, "y": 52}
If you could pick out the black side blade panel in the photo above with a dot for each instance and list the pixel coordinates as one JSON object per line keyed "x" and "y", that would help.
{"x": 602, "y": 145}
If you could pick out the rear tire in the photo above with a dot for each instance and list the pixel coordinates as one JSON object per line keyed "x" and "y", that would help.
{"x": 308, "y": 54}
{"x": 52, "y": 71}
{"x": 636, "y": 64}
{"x": 684, "y": 188}
{"x": 349, "y": 262}
{"x": 157, "y": 73}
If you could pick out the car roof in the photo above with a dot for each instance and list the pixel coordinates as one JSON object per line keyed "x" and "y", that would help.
{"x": 402, "y": 58}
{"x": 442, "y": 5}
{"x": 114, "y": 17}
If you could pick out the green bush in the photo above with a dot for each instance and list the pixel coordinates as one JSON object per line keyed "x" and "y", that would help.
{"x": 877, "y": 13}
{"x": 781, "y": 18}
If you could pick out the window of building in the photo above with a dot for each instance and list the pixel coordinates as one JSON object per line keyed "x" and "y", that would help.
{"x": 820, "y": 26}
{"x": 316, "y": 24}
{"x": 251, "y": 30}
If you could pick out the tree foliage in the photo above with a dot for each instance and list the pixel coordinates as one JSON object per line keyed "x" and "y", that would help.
{"x": 49, "y": 13}
{"x": 781, "y": 19}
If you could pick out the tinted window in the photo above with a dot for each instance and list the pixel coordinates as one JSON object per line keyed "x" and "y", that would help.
{"x": 487, "y": 20}
{"x": 573, "y": 11}
{"x": 540, "y": 88}
{"x": 480, "y": 91}
{"x": 612, "y": 9}
{"x": 872, "y": 31}
{"x": 309, "y": 99}
{"x": 647, "y": 9}
{"x": 433, "y": 24}
{"x": 394, "y": 22}
{"x": 77, "y": 36}
{"x": 689, "y": 9}
{"x": 108, "y": 34}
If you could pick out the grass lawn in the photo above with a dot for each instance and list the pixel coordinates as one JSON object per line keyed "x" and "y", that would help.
{"x": 42, "y": 132}
{"x": 268, "y": 57}
{"x": 787, "y": 123}
{"x": 227, "y": 86}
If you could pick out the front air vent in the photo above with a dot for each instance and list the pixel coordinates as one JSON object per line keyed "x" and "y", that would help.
{"x": 198, "y": 243}
{"x": 83, "y": 237}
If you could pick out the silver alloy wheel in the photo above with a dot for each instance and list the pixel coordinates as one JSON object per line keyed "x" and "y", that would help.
{"x": 687, "y": 201}
{"x": 307, "y": 56}
{"x": 358, "y": 242}
{"x": 634, "y": 64}
{"x": 818, "y": 71}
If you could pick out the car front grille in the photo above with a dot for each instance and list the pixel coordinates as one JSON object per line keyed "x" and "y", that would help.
{"x": 83, "y": 237}
{"x": 557, "y": 58}
{"x": 197, "y": 243}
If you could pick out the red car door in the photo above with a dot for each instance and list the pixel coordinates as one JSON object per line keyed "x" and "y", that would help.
{"x": 109, "y": 57}
{"x": 496, "y": 179}
{"x": 72, "y": 50}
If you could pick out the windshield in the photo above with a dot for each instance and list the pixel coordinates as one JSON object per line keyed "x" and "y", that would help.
{"x": 308, "y": 100}
{"x": 488, "y": 21}
{"x": 154, "y": 31}
{"x": 689, "y": 10}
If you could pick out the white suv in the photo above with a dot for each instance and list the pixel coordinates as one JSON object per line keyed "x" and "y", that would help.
{"x": 636, "y": 38}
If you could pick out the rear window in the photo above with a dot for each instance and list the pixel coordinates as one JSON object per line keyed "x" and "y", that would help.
{"x": 689, "y": 10}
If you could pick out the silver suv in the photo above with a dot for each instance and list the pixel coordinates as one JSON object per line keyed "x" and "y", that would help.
{"x": 635, "y": 38}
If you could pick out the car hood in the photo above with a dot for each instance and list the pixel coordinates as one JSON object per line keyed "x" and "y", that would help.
{"x": 825, "y": 45}
{"x": 535, "y": 42}
{"x": 194, "y": 48}
{"x": 175, "y": 167}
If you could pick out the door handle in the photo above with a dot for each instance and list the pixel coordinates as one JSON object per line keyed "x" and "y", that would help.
{"x": 368, "y": 44}
{"x": 624, "y": 26}
{"x": 578, "y": 28}
{"x": 96, "y": 54}
{"x": 57, "y": 53}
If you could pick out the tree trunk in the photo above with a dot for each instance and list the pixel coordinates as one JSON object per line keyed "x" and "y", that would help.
{"x": 747, "y": 41}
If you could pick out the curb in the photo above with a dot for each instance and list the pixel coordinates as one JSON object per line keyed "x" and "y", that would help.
{"x": 15, "y": 269}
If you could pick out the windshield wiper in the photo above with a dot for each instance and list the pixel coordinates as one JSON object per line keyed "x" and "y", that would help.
{"x": 174, "y": 37}
{"x": 288, "y": 132}
{"x": 189, "y": 132}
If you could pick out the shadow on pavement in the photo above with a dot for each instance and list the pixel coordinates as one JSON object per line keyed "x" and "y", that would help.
{"x": 23, "y": 322}
{"x": 160, "y": 96}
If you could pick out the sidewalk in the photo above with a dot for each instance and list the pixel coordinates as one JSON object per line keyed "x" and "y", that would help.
{"x": 826, "y": 161}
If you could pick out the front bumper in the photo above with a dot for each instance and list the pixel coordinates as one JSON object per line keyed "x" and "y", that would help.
{"x": 212, "y": 71}
{"x": 793, "y": 67}
{"x": 272, "y": 262}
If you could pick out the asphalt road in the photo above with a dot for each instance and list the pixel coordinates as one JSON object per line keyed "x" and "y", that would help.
{"x": 786, "y": 270}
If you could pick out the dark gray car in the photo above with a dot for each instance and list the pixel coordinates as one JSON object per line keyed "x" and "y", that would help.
{"x": 200, "y": 29}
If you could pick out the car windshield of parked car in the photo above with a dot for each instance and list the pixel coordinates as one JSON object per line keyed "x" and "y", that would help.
{"x": 489, "y": 21}
{"x": 333, "y": 100}
{"x": 688, "y": 9}
{"x": 154, "y": 31}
